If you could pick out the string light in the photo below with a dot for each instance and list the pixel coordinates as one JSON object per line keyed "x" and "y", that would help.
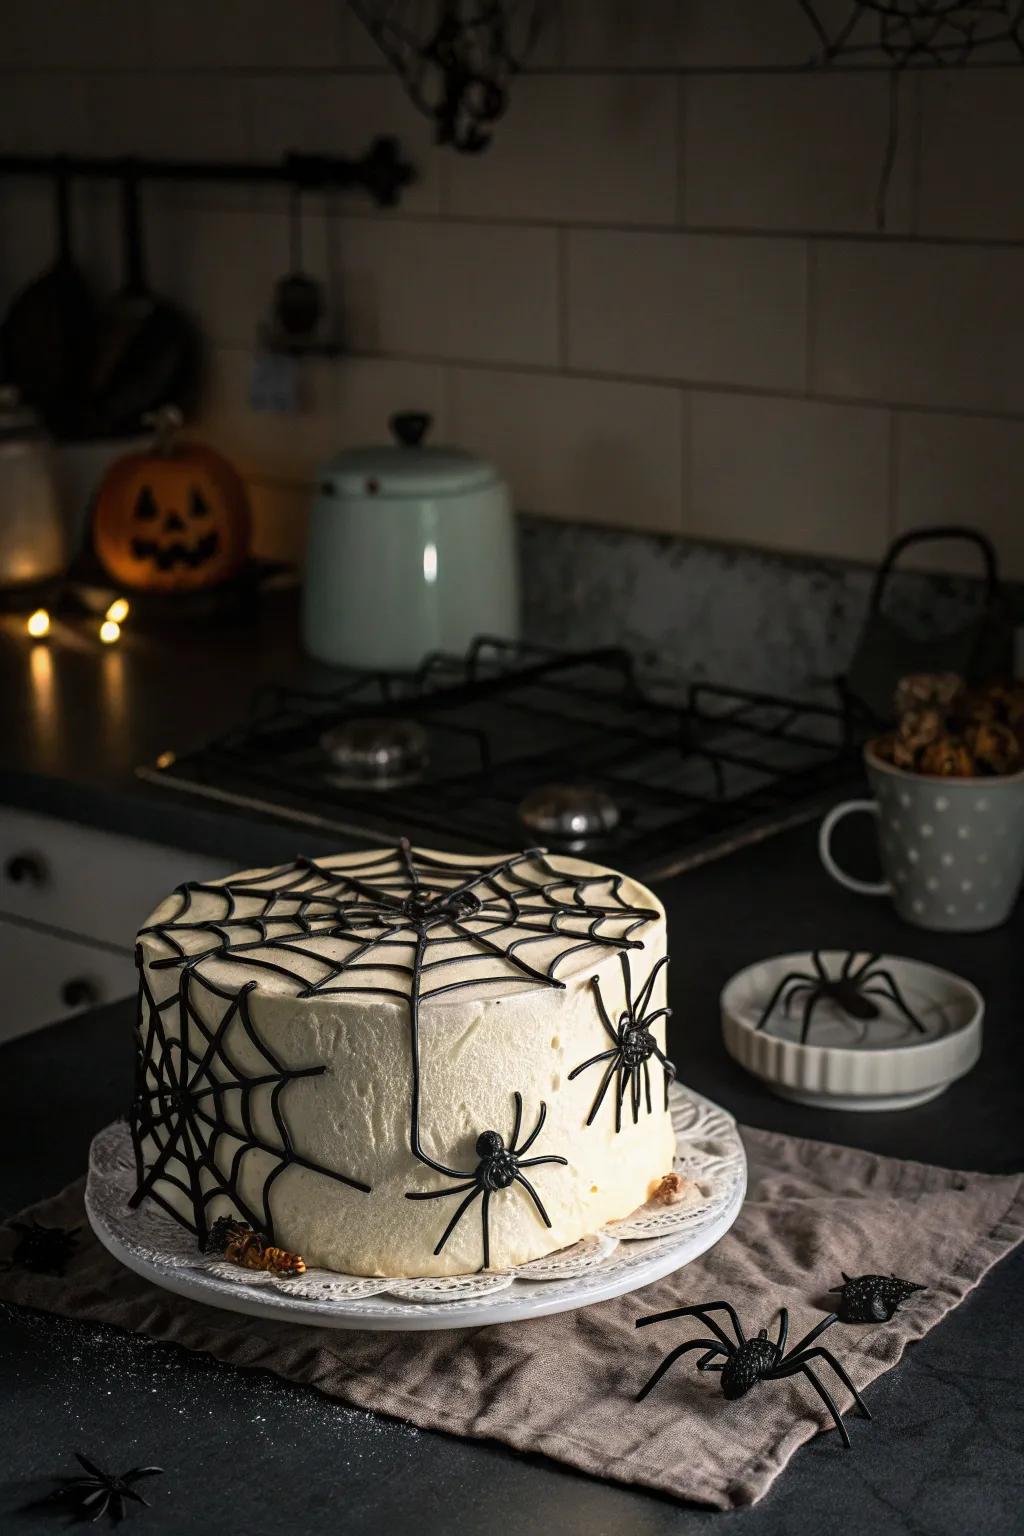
{"x": 38, "y": 624}
{"x": 110, "y": 631}
{"x": 118, "y": 610}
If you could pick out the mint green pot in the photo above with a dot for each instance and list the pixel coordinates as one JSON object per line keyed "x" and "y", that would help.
{"x": 410, "y": 550}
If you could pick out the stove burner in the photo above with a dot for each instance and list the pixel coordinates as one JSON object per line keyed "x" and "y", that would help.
{"x": 376, "y": 753}
{"x": 571, "y": 813}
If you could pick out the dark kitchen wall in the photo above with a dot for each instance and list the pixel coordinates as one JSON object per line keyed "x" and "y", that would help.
{"x": 659, "y": 302}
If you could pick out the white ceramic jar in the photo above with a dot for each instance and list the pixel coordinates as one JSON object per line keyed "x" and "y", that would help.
{"x": 411, "y": 549}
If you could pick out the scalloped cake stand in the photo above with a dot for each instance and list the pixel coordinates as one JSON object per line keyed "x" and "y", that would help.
{"x": 624, "y": 1256}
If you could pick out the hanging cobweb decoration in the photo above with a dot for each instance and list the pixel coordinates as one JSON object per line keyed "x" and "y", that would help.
{"x": 393, "y": 925}
{"x": 456, "y": 58}
{"x": 912, "y": 32}
{"x": 198, "y": 1113}
{"x": 901, "y": 34}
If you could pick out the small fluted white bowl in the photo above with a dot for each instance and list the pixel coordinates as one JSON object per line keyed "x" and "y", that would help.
{"x": 848, "y": 1063}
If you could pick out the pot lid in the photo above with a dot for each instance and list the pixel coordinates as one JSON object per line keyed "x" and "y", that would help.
{"x": 407, "y": 467}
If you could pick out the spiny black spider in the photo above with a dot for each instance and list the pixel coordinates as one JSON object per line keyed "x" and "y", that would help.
{"x": 633, "y": 1045}
{"x": 43, "y": 1250}
{"x": 748, "y": 1361}
{"x": 99, "y": 1493}
{"x": 849, "y": 991}
{"x": 872, "y": 1298}
{"x": 499, "y": 1167}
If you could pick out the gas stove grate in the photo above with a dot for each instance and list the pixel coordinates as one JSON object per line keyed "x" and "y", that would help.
{"x": 505, "y": 719}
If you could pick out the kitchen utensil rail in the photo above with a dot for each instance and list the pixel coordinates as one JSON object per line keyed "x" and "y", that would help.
{"x": 381, "y": 171}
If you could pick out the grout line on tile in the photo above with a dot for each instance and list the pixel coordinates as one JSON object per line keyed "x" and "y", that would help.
{"x": 686, "y": 454}
{"x": 811, "y": 317}
{"x": 682, "y": 133}
{"x": 654, "y": 381}
{"x": 894, "y": 473}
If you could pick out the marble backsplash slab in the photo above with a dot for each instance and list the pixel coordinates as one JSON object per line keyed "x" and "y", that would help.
{"x": 692, "y": 611}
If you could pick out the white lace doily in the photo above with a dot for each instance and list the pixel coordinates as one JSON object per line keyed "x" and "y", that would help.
{"x": 625, "y": 1255}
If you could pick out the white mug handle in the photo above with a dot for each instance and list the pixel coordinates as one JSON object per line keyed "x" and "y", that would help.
{"x": 835, "y": 815}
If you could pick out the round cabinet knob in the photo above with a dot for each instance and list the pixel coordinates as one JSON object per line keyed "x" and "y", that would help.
{"x": 25, "y": 869}
{"x": 79, "y": 992}
{"x": 410, "y": 427}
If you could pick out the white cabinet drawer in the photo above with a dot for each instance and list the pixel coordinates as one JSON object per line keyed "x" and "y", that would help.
{"x": 97, "y": 884}
{"x": 45, "y": 977}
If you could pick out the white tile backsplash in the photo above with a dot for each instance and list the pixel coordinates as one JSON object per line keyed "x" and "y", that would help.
{"x": 450, "y": 291}
{"x": 703, "y": 308}
{"x": 659, "y": 299}
{"x": 972, "y": 128}
{"x": 957, "y": 470}
{"x": 580, "y": 449}
{"x": 921, "y": 324}
{"x": 789, "y": 474}
{"x": 791, "y": 152}
{"x": 596, "y": 148}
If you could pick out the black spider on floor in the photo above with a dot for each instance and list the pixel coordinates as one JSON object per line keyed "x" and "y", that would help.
{"x": 499, "y": 1167}
{"x": 99, "y": 1493}
{"x": 872, "y": 1298}
{"x": 748, "y": 1361}
{"x": 850, "y": 990}
{"x": 633, "y": 1045}
{"x": 43, "y": 1250}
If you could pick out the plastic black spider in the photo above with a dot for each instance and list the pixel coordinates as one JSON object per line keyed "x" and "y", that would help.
{"x": 749, "y": 1361}
{"x": 43, "y": 1250}
{"x": 499, "y": 1167}
{"x": 849, "y": 990}
{"x": 872, "y": 1298}
{"x": 99, "y": 1493}
{"x": 633, "y": 1045}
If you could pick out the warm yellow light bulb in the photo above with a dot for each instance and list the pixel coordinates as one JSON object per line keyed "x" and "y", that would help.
{"x": 38, "y": 624}
{"x": 118, "y": 610}
{"x": 109, "y": 631}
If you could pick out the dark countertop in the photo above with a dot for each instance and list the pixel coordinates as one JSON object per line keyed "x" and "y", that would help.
{"x": 245, "y": 1452}
{"x": 80, "y": 717}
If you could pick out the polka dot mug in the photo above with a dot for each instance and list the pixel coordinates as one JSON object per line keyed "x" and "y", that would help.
{"x": 952, "y": 849}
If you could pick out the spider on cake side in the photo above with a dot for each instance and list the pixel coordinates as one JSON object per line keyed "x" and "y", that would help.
{"x": 633, "y": 1045}
{"x": 499, "y": 1168}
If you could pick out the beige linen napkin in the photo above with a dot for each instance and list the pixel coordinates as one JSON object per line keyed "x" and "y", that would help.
{"x": 564, "y": 1385}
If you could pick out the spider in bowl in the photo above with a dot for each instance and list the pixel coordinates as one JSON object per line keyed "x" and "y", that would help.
{"x": 748, "y": 1361}
{"x": 853, "y": 990}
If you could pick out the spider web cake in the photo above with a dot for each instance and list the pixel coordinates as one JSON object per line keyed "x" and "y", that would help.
{"x": 403, "y": 1062}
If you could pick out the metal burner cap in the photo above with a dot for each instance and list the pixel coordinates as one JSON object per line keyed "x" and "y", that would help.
{"x": 569, "y": 812}
{"x": 376, "y": 754}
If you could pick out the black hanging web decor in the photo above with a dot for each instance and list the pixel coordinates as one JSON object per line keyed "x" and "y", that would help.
{"x": 456, "y": 58}
{"x": 396, "y": 924}
{"x": 902, "y": 34}
{"x": 906, "y": 32}
{"x": 195, "y": 1105}
{"x": 633, "y": 1045}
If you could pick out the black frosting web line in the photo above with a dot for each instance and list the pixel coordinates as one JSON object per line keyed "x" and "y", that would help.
{"x": 190, "y": 1077}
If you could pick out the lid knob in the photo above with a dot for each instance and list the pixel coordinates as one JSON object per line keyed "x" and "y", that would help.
{"x": 410, "y": 427}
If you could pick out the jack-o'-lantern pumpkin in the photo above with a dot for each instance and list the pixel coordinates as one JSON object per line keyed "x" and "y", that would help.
{"x": 174, "y": 518}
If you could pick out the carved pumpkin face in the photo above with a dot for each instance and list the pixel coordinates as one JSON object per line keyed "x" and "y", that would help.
{"x": 175, "y": 519}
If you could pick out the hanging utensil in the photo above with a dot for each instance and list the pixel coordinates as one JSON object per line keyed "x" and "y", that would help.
{"x": 49, "y": 337}
{"x": 149, "y": 350}
{"x": 298, "y": 298}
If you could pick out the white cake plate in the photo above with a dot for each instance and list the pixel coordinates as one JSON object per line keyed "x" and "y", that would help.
{"x": 627, "y": 1254}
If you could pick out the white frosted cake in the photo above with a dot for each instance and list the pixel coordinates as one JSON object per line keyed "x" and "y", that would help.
{"x": 403, "y": 1062}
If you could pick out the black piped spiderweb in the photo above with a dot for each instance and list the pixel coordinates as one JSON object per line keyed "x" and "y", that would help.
{"x": 393, "y": 925}
{"x": 196, "y": 1105}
